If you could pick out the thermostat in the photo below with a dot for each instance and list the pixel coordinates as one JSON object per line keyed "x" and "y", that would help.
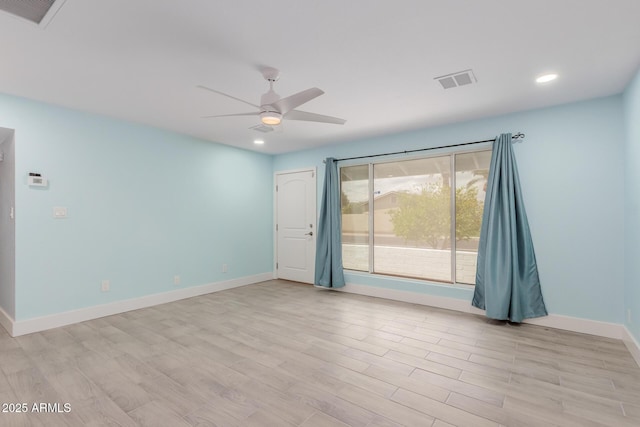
{"x": 36, "y": 180}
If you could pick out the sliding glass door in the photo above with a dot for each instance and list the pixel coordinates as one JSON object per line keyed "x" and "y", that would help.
{"x": 416, "y": 218}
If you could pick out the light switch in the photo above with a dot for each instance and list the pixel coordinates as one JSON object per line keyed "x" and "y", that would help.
{"x": 59, "y": 212}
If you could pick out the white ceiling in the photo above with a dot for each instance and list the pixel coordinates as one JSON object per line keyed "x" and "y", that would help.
{"x": 376, "y": 60}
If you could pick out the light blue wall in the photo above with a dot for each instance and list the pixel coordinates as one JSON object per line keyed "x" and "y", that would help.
{"x": 143, "y": 205}
{"x": 571, "y": 169}
{"x": 632, "y": 206}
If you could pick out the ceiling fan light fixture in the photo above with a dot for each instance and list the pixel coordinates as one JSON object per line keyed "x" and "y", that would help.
{"x": 271, "y": 118}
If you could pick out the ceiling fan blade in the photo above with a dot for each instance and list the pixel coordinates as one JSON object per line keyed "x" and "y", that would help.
{"x": 228, "y": 96}
{"x": 287, "y": 104}
{"x": 232, "y": 115}
{"x": 313, "y": 117}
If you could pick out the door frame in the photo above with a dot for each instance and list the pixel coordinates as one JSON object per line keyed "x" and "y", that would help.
{"x": 8, "y": 228}
{"x": 312, "y": 169}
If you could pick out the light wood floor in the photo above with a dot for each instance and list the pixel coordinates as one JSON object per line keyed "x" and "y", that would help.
{"x": 286, "y": 354}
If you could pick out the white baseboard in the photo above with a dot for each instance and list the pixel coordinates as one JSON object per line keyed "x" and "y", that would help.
{"x": 577, "y": 324}
{"x": 411, "y": 297}
{"x": 632, "y": 344}
{"x": 28, "y": 326}
{"x": 574, "y": 324}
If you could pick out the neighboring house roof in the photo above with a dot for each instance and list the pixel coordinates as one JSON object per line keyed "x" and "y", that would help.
{"x": 382, "y": 201}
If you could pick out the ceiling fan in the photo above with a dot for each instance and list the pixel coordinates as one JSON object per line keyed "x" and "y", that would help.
{"x": 273, "y": 109}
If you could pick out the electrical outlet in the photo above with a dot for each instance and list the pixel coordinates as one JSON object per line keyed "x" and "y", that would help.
{"x": 105, "y": 286}
{"x": 176, "y": 280}
{"x": 224, "y": 268}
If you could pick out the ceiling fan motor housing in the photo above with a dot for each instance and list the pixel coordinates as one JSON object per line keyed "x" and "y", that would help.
{"x": 267, "y": 99}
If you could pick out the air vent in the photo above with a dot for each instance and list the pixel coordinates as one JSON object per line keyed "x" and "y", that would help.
{"x": 262, "y": 128}
{"x": 39, "y": 12}
{"x": 460, "y": 78}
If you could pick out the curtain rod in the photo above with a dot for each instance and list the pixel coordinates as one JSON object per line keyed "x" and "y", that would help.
{"x": 518, "y": 135}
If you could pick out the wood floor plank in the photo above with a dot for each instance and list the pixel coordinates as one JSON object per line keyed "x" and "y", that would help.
{"x": 472, "y": 349}
{"x": 440, "y": 410}
{"x": 357, "y": 379}
{"x": 454, "y": 385}
{"x": 4, "y": 383}
{"x": 125, "y": 393}
{"x": 154, "y": 414}
{"x": 464, "y": 365}
{"x": 349, "y": 361}
{"x": 263, "y": 418}
{"x": 432, "y": 391}
{"x": 632, "y": 411}
{"x": 308, "y": 371}
{"x": 319, "y": 419}
{"x": 383, "y": 362}
{"x": 599, "y": 413}
{"x": 385, "y": 422}
{"x": 548, "y": 401}
{"x": 179, "y": 399}
{"x": 219, "y": 412}
{"x": 397, "y": 346}
{"x": 73, "y": 386}
{"x": 275, "y": 378}
{"x": 100, "y": 411}
{"x": 387, "y": 408}
{"x": 438, "y": 348}
{"x": 332, "y": 405}
{"x": 29, "y": 385}
{"x": 555, "y": 418}
{"x": 14, "y": 360}
{"x": 491, "y": 412}
{"x": 424, "y": 364}
{"x": 276, "y": 402}
{"x": 563, "y": 393}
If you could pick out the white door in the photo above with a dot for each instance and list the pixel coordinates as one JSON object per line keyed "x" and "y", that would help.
{"x": 296, "y": 225}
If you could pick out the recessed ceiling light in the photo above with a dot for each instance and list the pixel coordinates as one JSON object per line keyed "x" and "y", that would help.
{"x": 258, "y": 142}
{"x": 546, "y": 78}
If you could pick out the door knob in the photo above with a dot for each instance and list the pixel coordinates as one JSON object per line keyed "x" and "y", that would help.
{"x": 309, "y": 233}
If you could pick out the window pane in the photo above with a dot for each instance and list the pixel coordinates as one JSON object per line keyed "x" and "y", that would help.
{"x": 412, "y": 218}
{"x": 354, "y": 199}
{"x": 472, "y": 170}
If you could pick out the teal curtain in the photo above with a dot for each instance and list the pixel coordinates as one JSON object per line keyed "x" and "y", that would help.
{"x": 507, "y": 282}
{"x": 329, "y": 272}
